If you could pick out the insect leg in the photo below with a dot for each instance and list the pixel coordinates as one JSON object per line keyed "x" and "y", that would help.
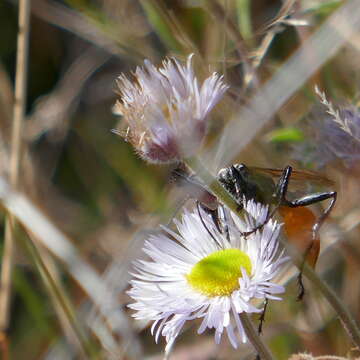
{"x": 313, "y": 199}
{"x": 262, "y": 317}
{"x": 311, "y": 248}
{"x": 205, "y": 226}
{"x": 300, "y": 277}
{"x": 281, "y": 190}
{"x": 213, "y": 213}
{"x": 304, "y": 201}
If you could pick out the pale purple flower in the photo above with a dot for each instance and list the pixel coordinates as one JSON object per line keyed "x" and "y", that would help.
{"x": 166, "y": 110}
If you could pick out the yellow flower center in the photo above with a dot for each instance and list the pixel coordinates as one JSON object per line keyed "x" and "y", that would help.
{"x": 218, "y": 274}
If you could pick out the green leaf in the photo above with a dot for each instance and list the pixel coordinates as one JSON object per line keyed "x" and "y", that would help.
{"x": 288, "y": 134}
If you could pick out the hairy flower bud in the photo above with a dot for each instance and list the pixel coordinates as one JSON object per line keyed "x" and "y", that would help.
{"x": 166, "y": 110}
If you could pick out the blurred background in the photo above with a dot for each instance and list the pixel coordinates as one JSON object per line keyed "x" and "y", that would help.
{"x": 88, "y": 201}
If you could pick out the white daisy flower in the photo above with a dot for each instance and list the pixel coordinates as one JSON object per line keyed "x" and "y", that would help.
{"x": 166, "y": 109}
{"x": 200, "y": 273}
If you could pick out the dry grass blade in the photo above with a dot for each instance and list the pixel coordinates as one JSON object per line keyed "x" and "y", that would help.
{"x": 324, "y": 43}
{"x": 53, "y": 111}
{"x": 283, "y": 13}
{"x": 15, "y": 156}
{"x": 76, "y": 23}
{"x": 271, "y": 30}
{"x": 35, "y": 222}
{"x": 61, "y": 302}
{"x": 220, "y": 15}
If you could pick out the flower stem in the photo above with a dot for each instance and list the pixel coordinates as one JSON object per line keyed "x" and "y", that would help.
{"x": 254, "y": 337}
{"x": 212, "y": 183}
{"x": 346, "y": 318}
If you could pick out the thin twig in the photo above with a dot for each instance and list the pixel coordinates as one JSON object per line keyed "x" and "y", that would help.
{"x": 15, "y": 156}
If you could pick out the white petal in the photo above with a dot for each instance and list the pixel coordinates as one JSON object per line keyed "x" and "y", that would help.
{"x": 160, "y": 289}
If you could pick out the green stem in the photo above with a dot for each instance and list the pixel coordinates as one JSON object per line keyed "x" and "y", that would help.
{"x": 212, "y": 183}
{"x": 347, "y": 320}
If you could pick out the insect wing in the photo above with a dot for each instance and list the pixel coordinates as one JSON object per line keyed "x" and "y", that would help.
{"x": 298, "y": 225}
{"x": 298, "y": 176}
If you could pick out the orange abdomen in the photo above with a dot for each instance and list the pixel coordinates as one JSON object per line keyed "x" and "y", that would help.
{"x": 298, "y": 224}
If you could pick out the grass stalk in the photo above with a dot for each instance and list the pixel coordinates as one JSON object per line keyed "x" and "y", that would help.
{"x": 61, "y": 300}
{"x": 220, "y": 15}
{"x": 15, "y": 156}
{"x": 232, "y": 30}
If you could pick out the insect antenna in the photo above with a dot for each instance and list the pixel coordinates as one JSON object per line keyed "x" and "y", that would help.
{"x": 205, "y": 226}
{"x": 225, "y": 225}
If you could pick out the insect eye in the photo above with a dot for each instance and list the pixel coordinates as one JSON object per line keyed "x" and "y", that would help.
{"x": 223, "y": 174}
{"x": 240, "y": 167}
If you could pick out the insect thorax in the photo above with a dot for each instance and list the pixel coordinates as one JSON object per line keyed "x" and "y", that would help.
{"x": 240, "y": 182}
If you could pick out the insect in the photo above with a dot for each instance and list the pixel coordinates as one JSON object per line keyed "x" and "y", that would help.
{"x": 270, "y": 186}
